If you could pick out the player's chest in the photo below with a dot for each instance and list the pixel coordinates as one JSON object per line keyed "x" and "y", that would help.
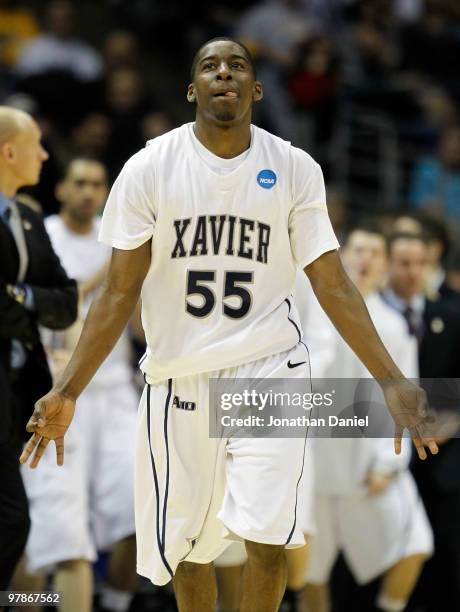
{"x": 257, "y": 194}
{"x": 221, "y": 218}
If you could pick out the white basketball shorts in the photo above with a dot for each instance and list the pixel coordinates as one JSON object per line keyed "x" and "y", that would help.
{"x": 373, "y": 532}
{"x": 194, "y": 494}
{"x": 235, "y": 554}
{"x": 87, "y": 504}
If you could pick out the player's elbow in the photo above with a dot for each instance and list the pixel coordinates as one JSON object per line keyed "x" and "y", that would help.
{"x": 121, "y": 291}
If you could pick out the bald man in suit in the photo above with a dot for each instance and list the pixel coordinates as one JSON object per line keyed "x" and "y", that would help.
{"x": 34, "y": 290}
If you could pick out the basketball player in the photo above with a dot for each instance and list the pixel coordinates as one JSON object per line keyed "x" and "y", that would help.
{"x": 210, "y": 223}
{"x": 92, "y": 497}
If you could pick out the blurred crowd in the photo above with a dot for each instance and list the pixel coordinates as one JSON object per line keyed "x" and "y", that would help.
{"x": 370, "y": 88}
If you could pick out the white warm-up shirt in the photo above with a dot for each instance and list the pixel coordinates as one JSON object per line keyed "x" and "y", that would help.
{"x": 342, "y": 464}
{"x": 82, "y": 256}
{"x": 227, "y": 238}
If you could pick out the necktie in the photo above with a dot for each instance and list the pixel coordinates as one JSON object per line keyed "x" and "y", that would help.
{"x": 17, "y": 230}
{"x": 409, "y": 315}
{"x": 5, "y": 217}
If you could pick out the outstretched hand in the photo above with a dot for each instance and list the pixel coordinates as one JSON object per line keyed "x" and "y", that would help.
{"x": 408, "y": 405}
{"x": 50, "y": 420}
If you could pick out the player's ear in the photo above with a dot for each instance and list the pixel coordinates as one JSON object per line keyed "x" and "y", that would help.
{"x": 257, "y": 92}
{"x": 191, "y": 93}
{"x": 8, "y": 151}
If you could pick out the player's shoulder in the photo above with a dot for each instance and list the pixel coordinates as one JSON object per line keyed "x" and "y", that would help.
{"x": 53, "y": 223}
{"x": 173, "y": 138}
{"x": 267, "y": 138}
{"x": 295, "y": 156}
{"x": 145, "y": 160}
{"x": 302, "y": 159}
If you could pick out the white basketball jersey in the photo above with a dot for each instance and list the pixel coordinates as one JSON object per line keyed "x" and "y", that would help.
{"x": 82, "y": 256}
{"x": 227, "y": 238}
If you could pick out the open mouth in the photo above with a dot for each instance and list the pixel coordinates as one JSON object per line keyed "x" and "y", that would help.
{"x": 226, "y": 94}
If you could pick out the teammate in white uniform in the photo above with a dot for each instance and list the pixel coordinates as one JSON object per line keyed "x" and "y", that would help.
{"x": 211, "y": 222}
{"x": 92, "y": 497}
{"x": 367, "y": 503}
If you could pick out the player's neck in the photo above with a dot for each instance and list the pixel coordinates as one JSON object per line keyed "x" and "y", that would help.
{"x": 76, "y": 226}
{"x": 406, "y": 298}
{"x": 223, "y": 141}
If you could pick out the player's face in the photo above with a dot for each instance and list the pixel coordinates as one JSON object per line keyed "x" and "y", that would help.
{"x": 224, "y": 87}
{"x": 365, "y": 259}
{"x": 407, "y": 267}
{"x": 84, "y": 190}
{"x": 29, "y": 154}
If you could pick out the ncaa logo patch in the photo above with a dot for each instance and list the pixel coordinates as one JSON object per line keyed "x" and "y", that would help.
{"x": 266, "y": 179}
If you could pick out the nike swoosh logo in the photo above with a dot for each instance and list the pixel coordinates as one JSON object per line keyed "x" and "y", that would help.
{"x": 294, "y": 365}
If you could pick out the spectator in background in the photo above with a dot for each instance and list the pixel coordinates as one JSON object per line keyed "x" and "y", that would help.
{"x": 315, "y": 78}
{"x": 436, "y": 179}
{"x": 155, "y": 124}
{"x": 314, "y": 86}
{"x": 91, "y": 137}
{"x": 368, "y": 46}
{"x": 60, "y": 71}
{"x": 429, "y": 45}
{"x": 17, "y": 26}
{"x": 329, "y": 14}
{"x": 408, "y": 11}
{"x": 121, "y": 50}
{"x": 57, "y": 48}
{"x": 272, "y": 31}
{"x": 126, "y": 104}
{"x": 132, "y": 110}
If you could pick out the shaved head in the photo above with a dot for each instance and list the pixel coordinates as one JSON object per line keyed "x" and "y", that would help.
{"x": 21, "y": 151}
{"x": 12, "y": 121}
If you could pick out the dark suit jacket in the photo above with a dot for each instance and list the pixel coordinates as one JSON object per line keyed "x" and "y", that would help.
{"x": 439, "y": 354}
{"x": 56, "y": 303}
{"x": 439, "y": 358}
{"x": 449, "y": 294}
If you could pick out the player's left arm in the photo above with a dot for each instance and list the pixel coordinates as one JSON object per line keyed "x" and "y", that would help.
{"x": 345, "y": 307}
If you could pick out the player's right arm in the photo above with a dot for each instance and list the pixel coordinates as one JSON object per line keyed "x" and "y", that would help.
{"x": 107, "y": 317}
